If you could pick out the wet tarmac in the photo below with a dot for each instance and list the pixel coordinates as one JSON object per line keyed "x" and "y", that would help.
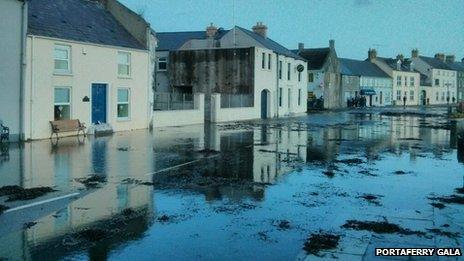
{"x": 254, "y": 190}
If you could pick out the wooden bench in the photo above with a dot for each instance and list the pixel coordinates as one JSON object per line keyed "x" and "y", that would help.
{"x": 66, "y": 126}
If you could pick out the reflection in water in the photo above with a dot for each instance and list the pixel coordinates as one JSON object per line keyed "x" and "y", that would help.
{"x": 251, "y": 158}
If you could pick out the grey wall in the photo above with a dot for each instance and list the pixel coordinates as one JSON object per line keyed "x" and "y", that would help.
{"x": 162, "y": 77}
{"x": 10, "y": 64}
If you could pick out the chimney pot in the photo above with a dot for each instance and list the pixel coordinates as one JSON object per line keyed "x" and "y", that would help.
{"x": 400, "y": 57}
{"x": 260, "y": 29}
{"x": 211, "y": 30}
{"x": 300, "y": 47}
{"x": 372, "y": 54}
{"x": 440, "y": 56}
{"x": 450, "y": 58}
{"x": 332, "y": 44}
{"x": 414, "y": 53}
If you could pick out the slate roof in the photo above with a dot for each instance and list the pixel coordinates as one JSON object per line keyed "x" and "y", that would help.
{"x": 392, "y": 63}
{"x": 360, "y": 68}
{"x": 170, "y": 41}
{"x": 435, "y": 63}
{"x": 457, "y": 66}
{"x": 78, "y": 20}
{"x": 315, "y": 57}
{"x": 271, "y": 44}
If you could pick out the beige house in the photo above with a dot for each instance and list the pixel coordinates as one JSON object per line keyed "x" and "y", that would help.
{"x": 82, "y": 63}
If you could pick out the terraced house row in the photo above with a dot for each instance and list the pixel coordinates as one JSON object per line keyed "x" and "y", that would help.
{"x": 66, "y": 65}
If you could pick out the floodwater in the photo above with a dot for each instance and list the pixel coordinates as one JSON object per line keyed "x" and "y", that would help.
{"x": 236, "y": 191}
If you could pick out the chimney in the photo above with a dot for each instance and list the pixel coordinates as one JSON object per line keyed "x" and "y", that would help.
{"x": 372, "y": 54}
{"x": 332, "y": 44}
{"x": 450, "y": 58}
{"x": 211, "y": 30}
{"x": 440, "y": 56}
{"x": 398, "y": 64}
{"x": 414, "y": 53}
{"x": 400, "y": 57}
{"x": 260, "y": 29}
{"x": 411, "y": 66}
{"x": 300, "y": 47}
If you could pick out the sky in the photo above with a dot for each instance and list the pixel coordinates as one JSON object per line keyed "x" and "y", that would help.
{"x": 390, "y": 26}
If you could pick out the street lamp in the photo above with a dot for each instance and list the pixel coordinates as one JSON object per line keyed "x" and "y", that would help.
{"x": 448, "y": 96}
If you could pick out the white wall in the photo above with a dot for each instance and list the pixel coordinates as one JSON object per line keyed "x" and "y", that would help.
{"x": 89, "y": 64}
{"x": 231, "y": 114}
{"x": 182, "y": 117}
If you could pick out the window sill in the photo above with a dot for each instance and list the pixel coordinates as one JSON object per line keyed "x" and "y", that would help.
{"x": 62, "y": 74}
{"x": 124, "y": 77}
{"x": 123, "y": 119}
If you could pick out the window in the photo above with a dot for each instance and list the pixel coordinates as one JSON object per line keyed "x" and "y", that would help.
{"x": 280, "y": 69}
{"x": 310, "y": 77}
{"x": 437, "y": 82}
{"x": 269, "y": 60}
{"x": 443, "y": 96}
{"x": 123, "y": 103}
{"x": 280, "y": 97}
{"x": 124, "y": 61}
{"x": 411, "y": 95}
{"x": 288, "y": 71}
{"x": 263, "y": 61}
{"x": 162, "y": 64}
{"x": 62, "y": 103}
{"x": 398, "y": 95}
{"x": 412, "y": 81}
{"x": 288, "y": 98}
{"x": 299, "y": 97}
{"x": 62, "y": 58}
{"x": 398, "y": 80}
{"x": 405, "y": 81}
{"x": 437, "y": 96}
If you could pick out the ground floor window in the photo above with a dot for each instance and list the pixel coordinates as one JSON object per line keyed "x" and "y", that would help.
{"x": 280, "y": 97}
{"x": 123, "y": 103}
{"x": 289, "y": 95}
{"x": 411, "y": 95}
{"x": 62, "y": 103}
{"x": 398, "y": 95}
{"x": 443, "y": 96}
{"x": 436, "y": 96}
{"x": 299, "y": 97}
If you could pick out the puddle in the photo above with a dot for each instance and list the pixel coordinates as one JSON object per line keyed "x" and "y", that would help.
{"x": 245, "y": 191}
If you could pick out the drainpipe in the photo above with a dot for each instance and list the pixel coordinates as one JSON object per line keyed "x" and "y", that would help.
{"x": 277, "y": 84}
{"x": 22, "y": 72}
{"x": 32, "y": 87}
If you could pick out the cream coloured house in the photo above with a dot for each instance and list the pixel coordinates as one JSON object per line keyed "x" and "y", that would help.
{"x": 81, "y": 63}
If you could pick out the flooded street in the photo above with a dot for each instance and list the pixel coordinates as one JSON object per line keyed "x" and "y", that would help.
{"x": 239, "y": 191}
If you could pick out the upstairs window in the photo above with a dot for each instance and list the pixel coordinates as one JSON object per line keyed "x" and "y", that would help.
{"x": 280, "y": 69}
{"x": 123, "y": 103}
{"x": 288, "y": 71}
{"x": 437, "y": 82}
{"x": 62, "y": 58}
{"x": 162, "y": 64}
{"x": 62, "y": 103}
{"x": 412, "y": 81}
{"x": 263, "y": 61}
{"x": 124, "y": 64}
{"x": 269, "y": 59}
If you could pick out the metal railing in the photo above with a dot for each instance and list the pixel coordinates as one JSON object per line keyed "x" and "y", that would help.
{"x": 165, "y": 101}
{"x": 236, "y": 100}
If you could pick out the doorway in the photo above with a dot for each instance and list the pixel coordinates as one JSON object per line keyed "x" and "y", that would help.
{"x": 99, "y": 96}
{"x": 264, "y": 104}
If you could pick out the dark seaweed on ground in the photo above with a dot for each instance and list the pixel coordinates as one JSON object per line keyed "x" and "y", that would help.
{"x": 383, "y": 227}
{"x": 320, "y": 242}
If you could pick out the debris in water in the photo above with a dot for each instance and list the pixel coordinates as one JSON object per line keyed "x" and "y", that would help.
{"x": 453, "y": 199}
{"x": 329, "y": 173}
{"x": 353, "y": 161}
{"x": 321, "y": 241}
{"x": 29, "y": 225}
{"x": 284, "y": 224}
{"x": 93, "y": 234}
{"x": 440, "y": 232}
{"x": 164, "y": 218}
{"x": 9, "y": 190}
{"x": 438, "y": 205}
{"x": 30, "y": 193}
{"x": 380, "y": 227}
{"x": 208, "y": 151}
{"x": 371, "y": 198}
{"x": 401, "y": 172}
{"x": 3, "y": 208}
{"x": 123, "y": 148}
{"x": 92, "y": 181}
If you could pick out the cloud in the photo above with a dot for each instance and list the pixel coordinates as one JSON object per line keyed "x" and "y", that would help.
{"x": 363, "y": 2}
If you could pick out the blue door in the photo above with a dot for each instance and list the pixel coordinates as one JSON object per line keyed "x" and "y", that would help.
{"x": 98, "y": 103}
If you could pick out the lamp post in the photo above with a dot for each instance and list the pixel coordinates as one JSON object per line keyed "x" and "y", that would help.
{"x": 448, "y": 96}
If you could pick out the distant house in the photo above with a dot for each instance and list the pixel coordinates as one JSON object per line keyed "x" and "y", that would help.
{"x": 374, "y": 84}
{"x": 323, "y": 74}
{"x": 242, "y": 73}
{"x": 439, "y": 86}
{"x": 13, "y": 14}
{"x": 459, "y": 68}
{"x": 405, "y": 79}
{"x": 86, "y": 60}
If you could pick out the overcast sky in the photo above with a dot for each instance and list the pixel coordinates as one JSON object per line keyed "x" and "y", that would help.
{"x": 390, "y": 26}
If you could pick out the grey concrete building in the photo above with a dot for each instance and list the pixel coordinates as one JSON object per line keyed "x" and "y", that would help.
{"x": 324, "y": 80}
{"x": 13, "y": 25}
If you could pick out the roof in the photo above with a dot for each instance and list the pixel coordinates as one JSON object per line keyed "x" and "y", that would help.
{"x": 435, "y": 63}
{"x": 457, "y": 66}
{"x": 361, "y": 68}
{"x": 78, "y": 20}
{"x": 170, "y": 41}
{"x": 315, "y": 57}
{"x": 271, "y": 44}
{"x": 392, "y": 63}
